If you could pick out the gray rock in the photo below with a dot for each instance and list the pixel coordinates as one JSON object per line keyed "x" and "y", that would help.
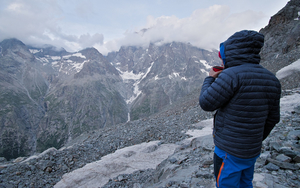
{"x": 288, "y": 151}
{"x": 263, "y": 157}
{"x": 297, "y": 110}
{"x": 206, "y": 142}
{"x": 283, "y": 158}
{"x": 208, "y": 161}
{"x": 121, "y": 178}
{"x": 137, "y": 185}
{"x": 275, "y": 145}
{"x": 2, "y": 159}
{"x": 183, "y": 185}
{"x": 173, "y": 160}
{"x": 204, "y": 174}
{"x": 272, "y": 167}
{"x": 297, "y": 159}
{"x": 294, "y": 135}
{"x": 284, "y": 165}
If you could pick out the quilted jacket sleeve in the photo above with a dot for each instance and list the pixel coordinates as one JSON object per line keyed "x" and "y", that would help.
{"x": 273, "y": 116}
{"x": 217, "y": 92}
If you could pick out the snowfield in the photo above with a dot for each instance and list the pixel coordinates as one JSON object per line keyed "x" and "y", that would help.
{"x": 149, "y": 155}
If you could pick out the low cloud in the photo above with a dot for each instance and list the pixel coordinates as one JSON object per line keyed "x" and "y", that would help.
{"x": 205, "y": 28}
{"x": 43, "y": 22}
{"x": 37, "y": 22}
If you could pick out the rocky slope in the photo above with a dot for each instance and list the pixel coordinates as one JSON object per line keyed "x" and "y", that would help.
{"x": 278, "y": 165}
{"x": 192, "y": 165}
{"x": 22, "y": 88}
{"x": 159, "y": 75}
{"x": 50, "y": 96}
{"x": 189, "y": 166}
{"x": 46, "y": 169}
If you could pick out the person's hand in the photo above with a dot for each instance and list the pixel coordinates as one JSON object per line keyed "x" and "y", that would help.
{"x": 213, "y": 73}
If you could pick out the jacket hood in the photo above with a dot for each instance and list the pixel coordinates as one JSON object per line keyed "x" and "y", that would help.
{"x": 242, "y": 47}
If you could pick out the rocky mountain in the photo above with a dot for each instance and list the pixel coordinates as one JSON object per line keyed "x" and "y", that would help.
{"x": 282, "y": 41}
{"x": 66, "y": 82}
{"x": 50, "y": 96}
{"x": 160, "y": 75}
{"x": 22, "y": 88}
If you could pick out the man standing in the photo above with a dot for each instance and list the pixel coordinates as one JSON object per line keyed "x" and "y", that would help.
{"x": 246, "y": 97}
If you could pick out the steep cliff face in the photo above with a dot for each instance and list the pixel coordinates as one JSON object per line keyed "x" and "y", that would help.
{"x": 282, "y": 42}
{"x": 160, "y": 75}
{"x": 22, "y": 88}
{"x": 49, "y": 97}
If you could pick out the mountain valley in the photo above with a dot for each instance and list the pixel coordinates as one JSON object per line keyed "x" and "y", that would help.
{"x": 60, "y": 111}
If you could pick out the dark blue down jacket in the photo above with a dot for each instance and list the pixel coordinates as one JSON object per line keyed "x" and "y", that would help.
{"x": 245, "y": 95}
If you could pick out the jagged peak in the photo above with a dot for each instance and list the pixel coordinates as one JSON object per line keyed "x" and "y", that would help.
{"x": 47, "y": 50}
{"x": 90, "y": 50}
{"x": 91, "y": 53}
{"x": 11, "y": 43}
{"x": 17, "y": 47}
{"x": 288, "y": 13}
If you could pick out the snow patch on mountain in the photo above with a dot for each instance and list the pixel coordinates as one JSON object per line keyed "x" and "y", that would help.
{"x": 72, "y": 66}
{"x": 183, "y": 78}
{"x": 136, "y": 90}
{"x": 288, "y": 70}
{"x": 127, "y": 160}
{"x": 75, "y": 55}
{"x": 205, "y": 64}
{"x": 78, "y": 66}
{"x": 289, "y": 102}
{"x": 174, "y": 75}
{"x": 65, "y": 64}
{"x": 34, "y": 51}
{"x": 206, "y": 130}
{"x": 55, "y": 58}
{"x": 129, "y": 75}
{"x": 147, "y": 155}
{"x": 42, "y": 59}
{"x": 203, "y": 70}
{"x": 123, "y": 161}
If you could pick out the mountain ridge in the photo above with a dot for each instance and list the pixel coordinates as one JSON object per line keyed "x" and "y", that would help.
{"x": 71, "y": 93}
{"x": 167, "y": 126}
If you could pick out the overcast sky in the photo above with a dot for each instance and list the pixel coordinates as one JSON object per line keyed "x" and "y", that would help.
{"x": 109, "y": 24}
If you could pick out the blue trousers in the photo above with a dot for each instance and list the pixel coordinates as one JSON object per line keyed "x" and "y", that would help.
{"x": 231, "y": 171}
